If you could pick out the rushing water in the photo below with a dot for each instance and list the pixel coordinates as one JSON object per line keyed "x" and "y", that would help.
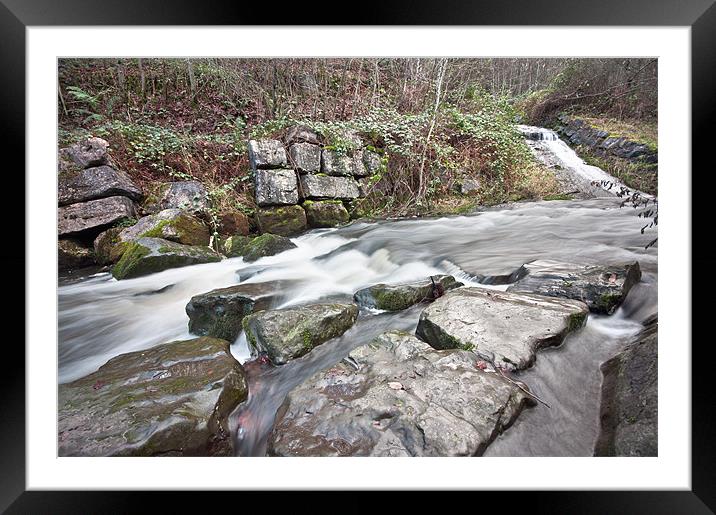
{"x": 100, "y": 317}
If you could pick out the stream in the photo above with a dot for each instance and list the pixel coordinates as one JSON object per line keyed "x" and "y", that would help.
{"x": 100, "y": 317}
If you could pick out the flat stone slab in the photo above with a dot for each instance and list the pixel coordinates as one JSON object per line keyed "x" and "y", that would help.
{"x": 88, "y": 153}
{"x": 396, "y": 297}
{"x": 629, "y": 409}
{"x": 507, "y": 328}
{"x": 151, "y": 255}
{"x": 325, "y": 213}
{"x": 170, "y": 400}
{"x": 281, "y": 220}
{"x": 305, "y": 157}
{"x": 317, "y": 187}
{"x": 93, "y": 216}
{"x": 169, "y": 224}
{"x": 95, "y": 183}
{"x": 190, "y": 196}
{"x": 602, "y": 288}
{"x": 276, "y": 187}
{"x": 219, "y": 313}
{"x": 286, "y": 334}
{"x": 267, "y": 153}
{"x": 399, "y": 398}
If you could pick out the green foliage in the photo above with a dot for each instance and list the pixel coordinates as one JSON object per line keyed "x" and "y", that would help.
{"x": 149, "y": 144}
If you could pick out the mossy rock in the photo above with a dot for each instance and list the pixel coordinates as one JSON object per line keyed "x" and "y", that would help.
{"x": 286, "y": 334}
{"x": 284, "y": 220}
{"x": 396, "y": 297}
{"x": 172, "y": 399}
{"x": 252, "y": 249}
{"x": 150, "y": 255}
{"x": 72, "y": 254}
{"x": 325, "y": 213}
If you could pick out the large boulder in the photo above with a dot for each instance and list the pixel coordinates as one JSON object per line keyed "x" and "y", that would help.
{"x": 396, "y": 297}
{"x": 190, "y": 196}
{"x": 505, "y": 328}
{"x": 286, "y": 334}
{"x": 316, "y": 187}
{"x": 629, "y": 405}
{"x": 88, "y": 153}
{"x": 94, "y": 183}
{"x": 602, "y": 288}
{"x": 93, "y": 216}
{"x": 267, "y": 153}
{"x": 400, "y": 397}
{"x": 305, "y": 157}
{"x": 284, "y": 220}
{"x": 276, "y": 187}
{"x": 107, "y": 246}
{"x": 252, "y": 249}
{"x": 219, "y": 313}
{"x": 171, "y": 400}
{"x": 170, "y": 224}
{"x": 73, "y": 254}
{"x": 325, "y": 213}
{"x": 150, "y": 255}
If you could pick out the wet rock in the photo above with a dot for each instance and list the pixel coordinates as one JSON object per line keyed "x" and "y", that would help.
{"x": 402, "y": 398}
{"x": 93, "y": 216}
{"x": 267, "y": 153}
{"x": 276, "y": 187}
{"x": 285, "y": 220}
{"x": 286, "y": 334}
{"x": 219, "y": 313}
{"x": 88, "y": 153}
{"x": 507, "y": 328}
{"x": 325, "y": 213}
{"x": 234, "y": 223}
{"x": 171, "y": 400}
{"x": 107, "y": 248}
{"x": 602, "y": 288}
{"x": 187, "y": 195}
{"x": 396, "y": 297}
{"x": 95, "y": 183}
{"x": 316, "y": 187}
{"x": 302, "y": 134}
{"x": 305, "y": 157}
{"x": 629, "y": 405}
{"x": 252, "y": 249}
{"x": 150, "y": 255}
{"x": 73, "y": 254}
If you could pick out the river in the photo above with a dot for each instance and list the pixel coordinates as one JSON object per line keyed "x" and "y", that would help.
{"x": 100, "y": 317}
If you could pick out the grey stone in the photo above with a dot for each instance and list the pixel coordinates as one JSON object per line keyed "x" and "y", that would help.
{"x": 93, "y": 216}
{"x": 88, "y": 153}
{"x": 302, "y": 134}
{"x": 336, "y": 163}
{"x": 504, "y": 327}
{"x": 72, "y": 254}
{"x": 326, "y": 187}
{"x": 95, "y": 183}
{"x": 171, "y": 400}
{"x": 305, "y": 157}
{"x": 404, "y": 399}
{"x": 151, "y": 255}
{"x": 372, "y": 162}
{"x": 629, "y": 403}
{"x": 276, "y": 187}
{"x": 325, "y": 213}
{"x": 252, "y": 249}
{"x": 267, "y": 153}
{"x": 219, "y": 313}
{"x": 286, "y": 334}
{"x": 469, "y": 186}
{"x": 190, "y": 196}
{"x": 602, "y": 288}
{"x": 396, "y": 297}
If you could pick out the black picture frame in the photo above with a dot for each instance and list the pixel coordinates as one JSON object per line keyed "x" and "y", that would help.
{"x": 700, "y": 15}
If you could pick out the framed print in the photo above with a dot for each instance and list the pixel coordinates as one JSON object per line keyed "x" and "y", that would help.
{"x": 420, "y": 252}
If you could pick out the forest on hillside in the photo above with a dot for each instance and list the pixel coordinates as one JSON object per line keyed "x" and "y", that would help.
{"x": 436, "y": 121}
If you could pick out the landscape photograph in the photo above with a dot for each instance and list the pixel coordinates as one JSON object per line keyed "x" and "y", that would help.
{"x": 364, "y": 256}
